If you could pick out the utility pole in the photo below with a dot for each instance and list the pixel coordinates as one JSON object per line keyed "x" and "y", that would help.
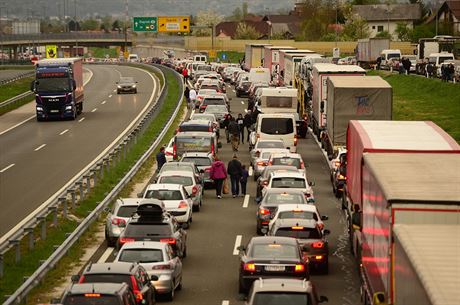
{"x": 125, "y": 51}
{"x": 1, "y": 35}
{"x": 76, "y": 27}
{"x": 336, "y": 21}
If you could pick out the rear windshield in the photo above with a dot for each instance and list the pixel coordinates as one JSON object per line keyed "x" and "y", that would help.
{"x": 145, "y": 230}
{"x": 305, "y": 233}
{"x": 176, "y": 180}
{"x": 193, "y": 144}
{"x": 274, "y": 251}
{"x": 297, "y": 215}
{"x": 284, "y": 298}
{"x": 213, "y": 101}
{"x": 176, "y": 167}
{"x": 141, "y": 255}
{"x": 198, "y": 161}
{"x": 208, "y": 117}
{"x": 164, "y": 194}
{"x": 270, "y": 144}
{"x": 287, "y": 161}
{"x": 215, "y": 87}
{"x": 279, "y": 101}
{"x": 127, "y": 211}
{"x": 284, "y": 198}
{"x": 107, "y": 278}
{"x": 288, "y": 183}
{"x": 188, "y": 127}
{"x": 204, "y": 68}
{"x": 93, "y": 300}
{"x": 277, "y": 126}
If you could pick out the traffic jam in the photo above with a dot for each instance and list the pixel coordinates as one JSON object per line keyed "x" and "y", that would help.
{"x": 241, "y": 138}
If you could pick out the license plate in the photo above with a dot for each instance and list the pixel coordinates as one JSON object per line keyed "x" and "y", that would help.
{"x": 54, "y": 111}
{"x": 275, "y": 268}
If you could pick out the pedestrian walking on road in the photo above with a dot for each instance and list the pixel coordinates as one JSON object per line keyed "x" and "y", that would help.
{"x": 244, "y": 179}
{"x": 248, "y": 123}
{"x": 185, "y": 75}
{"x": 161, "y": 158}
{"x": 240, "y": 121}
{"x": 234, "y": 132}
{"x": 225, "y": 124}
{"x": 235, "y": 171}
{"x": 218, "y": 174}
{"x": 192, "y": 96}
{"x": 187, "y": 96}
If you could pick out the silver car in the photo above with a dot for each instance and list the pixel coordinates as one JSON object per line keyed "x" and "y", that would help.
{"x": 203, "y": 161}
{"x": 158, "y": 259}
{"x": 121, "y": 212}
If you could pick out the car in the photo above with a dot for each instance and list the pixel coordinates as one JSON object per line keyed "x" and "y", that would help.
{"x": 203, "y": 161}
{"x": 291, "y": 181}
{"x": 213, "y": 84}
{"x": 122, "y": 210}
{"x": 159, "y": 260}
{"x": 260, "y": 154}
{"x": 132, "y": 274}
{"x": 298, "y": 211}
{"x": 97, "y": 293}
{"x": 270, "y": 257}
{"x": 195, "y": 141}
{"x": 262, "y": 181}
{"x": 175, "y": 166}
{"x": 339, "y": 172}
{"x": 302, "y": 125}
{"x": 212, "y": 100}
{"x": 339, "y": 156}
{"x": 175, "y": 198}
{"x": 310, "y": 237}
{"x": 283, "y": 291}
{"x": 193, "y": 185}
{"x": 126, "y": 84}
{"x": 209, "y": 117}
{"x": 152, "y": 223}
{"x": 201, "y": 94}
{"x": 270, "y": 202}
{"x": 243, "y": 88}
{"x": 293, "y": 159}
{"x": 219, "y": 111}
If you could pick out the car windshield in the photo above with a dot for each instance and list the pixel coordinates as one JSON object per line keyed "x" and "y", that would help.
{"x": 266, "y": 173}
{"x": 287, "y": 182}
{"x": 127, "y": 211}
{"x": 54, "y": 84}
{"x": 297, "y": 214}
{"x": 164, "y": 194}
{"x": 204, "y": 68}
{"x": 213, "y": 101}
{"x": 195, "y": 127}
{"x": 279, "y": 101}
{"x": 277, "y": 126}
{"x": 284, "y": 198}
{"x": 270, "y": 144}
{"x": 287, "y": 161}
{"x": 199, "y": 161}
{"x": 107, "y": 278}
{"x": 148, "y": 229}
{"x": 126, "y": 80}
{"x": 206, "y": 91}
{"x": 299, "y": 232}
{"x": 274, "y": 251}
{"x": 141, "y": 255}
{"x": 186, "y": 181}
{"x": 91, "y": 299}
{"x": 281, "y": 298}
{"x": 266, "y": 155}
{"x": 216, "y": 109}
{"x": 202, "y": 116}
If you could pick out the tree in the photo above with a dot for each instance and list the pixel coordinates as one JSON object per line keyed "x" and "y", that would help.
{"x": 317, "y": 16}
{"x": 237, "y": 15}
{"x": 244, "y": 9}
{"x": 383, "y": 34}
{"x": 244, "y": 31}
{"x": 365, "y": 2}
{"x": 209, "y": 19}
{"x": 89, "y": 25}
{"x": 422, "y": 31}
{"x": 117, "y": 25}
{"x": 403, "y": 31}
{"x": 355, "y": 26}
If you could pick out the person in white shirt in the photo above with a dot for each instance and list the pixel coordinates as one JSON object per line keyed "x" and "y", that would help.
{"x": 192, "y": 95}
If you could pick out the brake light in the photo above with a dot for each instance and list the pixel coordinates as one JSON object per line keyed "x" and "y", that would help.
{"x": 174, "y": 151}
{"x": 342, "y": 177}
{"x": 318, "y": 257}
{"x": 263, "y": 211}
{"x": 265, "y": 182}
{"x": 297, "y": 228}
{"x": 124, "y": 240}
{"x": 262, "y": 163}
{"x": 299, "y": 268}
{"x": 317, "y": 245}
{"x": 81, "y": 280}
{"x": 321, "y": 226}
{"x": 162, "y": 267}
{"x": 337, "y": 163}
{"x": 249, "y": 267}
{"x": 307, "y": 195}
{"x": 171, "y": 241}
{"x": 92, "y": 295}
{"x": 182, "y": 205}
{"x": 118, "y": 221}
{"x": 302, "y": 165}
{"x": 194, "y": 190}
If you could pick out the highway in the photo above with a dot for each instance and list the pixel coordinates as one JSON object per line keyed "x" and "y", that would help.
{"x": 210, "y": 274}
{"x": 8, "y": 74}
{"x": 38, "y": 159}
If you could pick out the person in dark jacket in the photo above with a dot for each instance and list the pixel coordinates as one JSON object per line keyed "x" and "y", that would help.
{"x": 244, "y": 179}
{"x": 240, "y": 121}
{"x": 234, "y": 132}
{"x": 161, "y": 158}
{"x": 235, "y": 171}
{"x": 225, "y": 124}
{"x": 248, "y": 123}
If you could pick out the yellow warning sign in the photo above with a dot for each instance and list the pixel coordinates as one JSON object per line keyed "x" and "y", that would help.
{"x": 51, "y": 51}
{"x": 173, "y": 24}
{"x": 212, "y": 53}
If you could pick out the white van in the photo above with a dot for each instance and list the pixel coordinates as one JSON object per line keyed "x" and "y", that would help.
{"x": 200, "y": 58}
{"x": 133, "y": 58}
{"x": 259, "y": 75}
{"x": 277, "y": 100}
{"x": 388, "y": 55}
{"x": 276, "y": 126}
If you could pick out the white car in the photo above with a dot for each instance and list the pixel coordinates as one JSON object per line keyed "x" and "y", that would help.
{"x": 291, "y": 180}
{"x": 158, "y": 259}
{"x": 175, "y": 198}
{"x": 291, "y": 159}
{"x": 192, "y": 184}
{"x": 298, "y": 211}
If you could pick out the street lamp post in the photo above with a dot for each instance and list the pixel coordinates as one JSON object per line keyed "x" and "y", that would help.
{"x": 76, "y": 28}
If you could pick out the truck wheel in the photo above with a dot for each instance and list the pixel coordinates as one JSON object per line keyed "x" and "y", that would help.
{"x": 80, "y": 108}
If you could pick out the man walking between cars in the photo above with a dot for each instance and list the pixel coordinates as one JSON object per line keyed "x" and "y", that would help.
{"x": 218, "y": 174}
{"x": 234, "y": 132}
{"x": 192, "y": 97}
{"x": 185, "y": 75}
{"x": 161, "y": 158}
{"x": 235, "y": 171}
{"x": 248, "y": 123}
{"x": 240, "y": 122}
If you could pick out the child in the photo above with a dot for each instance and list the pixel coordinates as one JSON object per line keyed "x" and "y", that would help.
{"x": 244, "y": 179}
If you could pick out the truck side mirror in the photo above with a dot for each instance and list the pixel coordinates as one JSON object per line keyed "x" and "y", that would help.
{"x": 32, "y": 85}
{"x": 321, "y": 106}
{"x": 140, "y": 195}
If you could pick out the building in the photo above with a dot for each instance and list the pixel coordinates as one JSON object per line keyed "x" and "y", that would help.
{"x": 448, "y": 17}
{"x": 383, "y": 17}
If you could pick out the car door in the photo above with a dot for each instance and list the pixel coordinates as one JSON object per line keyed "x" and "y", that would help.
{"x": 175, "y": 261}
{"x": 142, "y": 283}
{"x": 179, "y": 235}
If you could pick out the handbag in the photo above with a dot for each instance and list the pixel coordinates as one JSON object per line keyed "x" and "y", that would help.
{"x": 225, "y": 189}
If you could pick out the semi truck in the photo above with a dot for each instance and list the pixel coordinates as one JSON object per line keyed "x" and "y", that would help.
{"x": 353, "y": 98}
{"x": 369, "y": 49}
{"x": 58, "y": 88}
{"x": 272, "y": 57}
{"x": 408, "y": 189}
{"x": 291, "y": 64}
{"x": 320, "y": 73}
{"x": 254, "y": 55}
{"x": 371, "y": 137}
{"x": 424, "y": 274}
{"x": 283, "y": 53}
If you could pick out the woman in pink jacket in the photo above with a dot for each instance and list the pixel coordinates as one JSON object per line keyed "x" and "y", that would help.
{"x": 218, "y": 174}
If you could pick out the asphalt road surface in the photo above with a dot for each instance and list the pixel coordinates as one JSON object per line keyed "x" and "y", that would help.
{"x": 38, "y": 158}
{"x": 210, "y": 275}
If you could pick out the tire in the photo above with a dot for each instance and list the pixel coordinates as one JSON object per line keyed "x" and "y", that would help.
{"x": 259, "y": 230}
{"x": 241, "y": 289}
{"x": 80, "y": 108}
{"x": 170, "y": 295}
{"x": 184, "y": 254}
{"x": 110, "y": 241}
{"x": 196, "y": 208}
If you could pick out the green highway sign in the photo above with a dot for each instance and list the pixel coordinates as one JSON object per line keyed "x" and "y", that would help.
{"x": 145, "y": 24}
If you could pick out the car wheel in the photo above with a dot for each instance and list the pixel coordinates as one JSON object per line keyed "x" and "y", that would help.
{"x": 259, "y": 230}
{"x": 196, "y": 208}
{"x": 241, "y": 288}
{"x": 184, "y": 253}
{"x": 170, "y": 295}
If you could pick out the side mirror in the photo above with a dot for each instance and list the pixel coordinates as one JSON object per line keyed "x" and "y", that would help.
{"x": 327, "y": 232}
{"x": 323, "y": 299}
{"x": 32, "y": 85}
{"x": 140, "y": 195}
{"x": 74, "y": 278}
{"x": 324, "y": 217}
{"x": 311, "y": 183}
{"x": 154, "y": 278}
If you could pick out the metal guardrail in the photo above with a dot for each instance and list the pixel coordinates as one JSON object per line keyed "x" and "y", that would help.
{"x": 65, "y": 36}
{"x": 15, "y": 99}
{"x": 96, "y": 170}
{"x": 18, "y": 77}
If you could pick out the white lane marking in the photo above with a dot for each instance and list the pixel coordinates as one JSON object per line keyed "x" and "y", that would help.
{"x": 225, "y": 302}
{"x": 105, "y": 255}
{"x": 39, "y": 147}
{"x": 81, "y": 120}
{"x": 63, "y": 132}
{"x": 7, "y": 235}
{"x": 114, "y": 90}
{"x": 233, "y": 91}
{"x": 246, "y": 201}
{"x": 245, "y": 110}
{"x": 94, "y": 110}
{"x": 242, "y": 102}
{"x": 32, "y": 117}
{"x": 237, "y": 244}
{"x": 110, "y": 95}
{"x": 7, "y": 168}
{"x": 251, "y": 171}
{"x": 103, "y": 102}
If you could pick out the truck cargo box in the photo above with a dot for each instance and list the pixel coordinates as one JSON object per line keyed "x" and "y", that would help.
{"x": 272, "y": 56}
{"x": 254, "y": 55}
{"x": 369, "y": 49}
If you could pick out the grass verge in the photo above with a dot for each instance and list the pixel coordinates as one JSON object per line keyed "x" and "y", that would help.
{"x": 231, "y": 56}
{"x": 418, "y": 98}
{"x": 17, "y": 67}
{"x": 12, "y": 89}
{"x": 99, "y": 52}
{"x": 15, "y": 272}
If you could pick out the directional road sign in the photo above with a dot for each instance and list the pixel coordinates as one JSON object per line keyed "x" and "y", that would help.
{"x": 173, "y": 24}
{"x": 145, "y": 24}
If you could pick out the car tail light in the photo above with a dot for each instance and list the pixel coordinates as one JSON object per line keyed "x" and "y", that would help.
{"x": 342, "y": 177}
{"x": 118, "y": 222}
{"x": 182, "y": 205}
{"x": 263, "y": 211}
{"x": 337, "y": 163}
{"x": 317, "y": 245}
{"x": 297, "y": 228}
{"x": 124, "y": 240}
{"x": 318, "y": 257}
{"x": 171, "y": 241}
{"x": 174, "y": 151}
{"x": 321, "y": 226}
{"x": 81, "y": 280}
{"x": 262, "y": 163}
{"x": 213, "y": 149}
{"x": 92, "y": 295}
{"x": 250, "y": 267}
{"x": 302, "y": 165}
{"x": 162, "y": 267}
{"x": 299, "y": 268}
{"x": 307, "y": 195}
{"x": 257, "y": 135}
{"x": 265, "y": 183}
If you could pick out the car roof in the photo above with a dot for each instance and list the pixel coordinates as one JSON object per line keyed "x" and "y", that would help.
{"x": 179, "y": 164}
{"x": 102, "y": 288}
{"x": 282, "y": 285}
{"x": 196, "y": 133}
{"x": 196, "y": 122}
{"x": 144, "y": 245}
{"x": 286, "y": 154}
{"x": 129, "y": 201}
{"x": 302, "y": 207}
{"x": 177, "y": 173}
{"x": 165, "y": 186}
{"x": 273, "y": 240}
{"x": 291, "y": 222}
{"x": 284, "y": 191}
{"x": 116, "y": 268}
{"x": 197, "y": 154}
